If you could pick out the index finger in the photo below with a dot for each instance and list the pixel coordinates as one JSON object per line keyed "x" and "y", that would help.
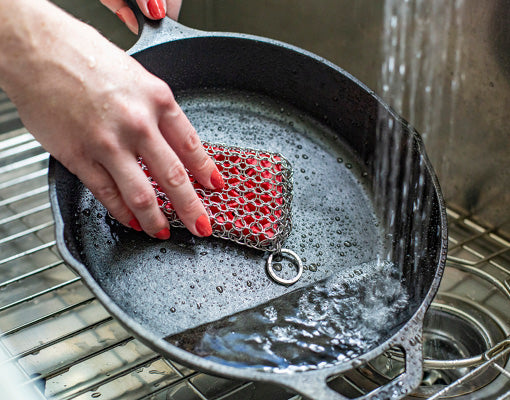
{"x": 183, "y": 139}
{"x": 169, "y": 172}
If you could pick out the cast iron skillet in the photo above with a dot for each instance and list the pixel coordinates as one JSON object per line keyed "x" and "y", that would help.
{"x": 256, "y": 92}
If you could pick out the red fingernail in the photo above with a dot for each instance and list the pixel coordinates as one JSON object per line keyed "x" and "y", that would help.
{"x": 156, "y": 9}
{"x": 163, "y": 234}
{"x": 203, "y": 225}
{"x": 119, "y": 15}
{"x": 135, "y": 225}
{"x": 217, "y": 180}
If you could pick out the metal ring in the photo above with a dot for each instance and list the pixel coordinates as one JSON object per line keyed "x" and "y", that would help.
{"x": 275, "y": 277}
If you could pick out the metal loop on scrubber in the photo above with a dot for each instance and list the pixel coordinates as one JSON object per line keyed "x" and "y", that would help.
{"x": 297, "y": 262}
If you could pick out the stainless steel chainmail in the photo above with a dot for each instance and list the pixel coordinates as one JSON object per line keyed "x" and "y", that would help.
{"x": 254, "y": 208}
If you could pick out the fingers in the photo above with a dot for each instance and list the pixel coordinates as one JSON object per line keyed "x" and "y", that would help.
{"x": 168, "y": 170}
{"x": 123, "y": 12}
{"x": 137, "y": 193}
{"x": 172, "y": 8}
{"x": 104, "y": 189}
{"x": 184, "y": 140}
{"x": 154, "y": 9}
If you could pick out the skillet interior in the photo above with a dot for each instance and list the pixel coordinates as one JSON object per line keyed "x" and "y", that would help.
{"x": 261, "y": 95}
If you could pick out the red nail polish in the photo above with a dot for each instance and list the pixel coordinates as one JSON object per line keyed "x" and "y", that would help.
{"x": 203, "y": 225}
{"x": 163, "y": 234}
{"x": 156, "y": 9}
{"x": 217, "y": 180}
{"x": 135, "y": 225}
{"x": 119, "y": 15}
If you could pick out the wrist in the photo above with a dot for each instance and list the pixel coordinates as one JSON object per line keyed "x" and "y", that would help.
{"x": 31, "y": 38}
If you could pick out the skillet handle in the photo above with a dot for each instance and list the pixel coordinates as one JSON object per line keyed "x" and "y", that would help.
{"x": 151, "y": 32}
{"x": 316, "y": 387}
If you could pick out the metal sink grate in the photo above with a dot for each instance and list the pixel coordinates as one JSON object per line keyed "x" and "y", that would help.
{"x": 62, "y": 341}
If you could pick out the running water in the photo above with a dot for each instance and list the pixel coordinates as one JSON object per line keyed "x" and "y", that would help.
{"x": 329, "y": 322}
{"x": 420, "y": 43}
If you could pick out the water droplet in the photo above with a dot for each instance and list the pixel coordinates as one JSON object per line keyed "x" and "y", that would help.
{"x": 348, "y": 165}
{"x": 95, "y": 395}
{"x": 172, "y": 309}
{"x": 347, "y": 243}
{"x": 313, "y": 267}
{"x": 86, "y": 212}
{"x": 304, "y": 156}
{"x": 92, "y": 62}
{"x": 277, "y": 266}
{"x": 219, "y": 289}
{"x": 339, "y": 160}
{"x": 163, "y": 250}
{"x": 249, "y": 283}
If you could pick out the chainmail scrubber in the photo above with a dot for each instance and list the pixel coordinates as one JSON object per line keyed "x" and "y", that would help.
{"x": 253, "y": 209}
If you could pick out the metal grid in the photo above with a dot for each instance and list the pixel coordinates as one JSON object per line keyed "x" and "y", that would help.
{"x": 63, "y": 341}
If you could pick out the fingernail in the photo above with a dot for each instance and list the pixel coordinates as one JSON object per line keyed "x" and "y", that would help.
{"x": 217, "y": 180}
{"x": 163, "y": 234}
{"x": 203, "y": 225}
{"x": 135, "y": 225}
{"x": 156, "y": 9}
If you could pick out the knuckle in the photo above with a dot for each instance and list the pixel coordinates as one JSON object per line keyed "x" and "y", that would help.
{"x": 191, "y": 206}
{"x": 176, "y": 175}
{"x": 138, "y": 122}
{"x": 191, "y": 142}
{"x": 106, "y": 143}
{"x": 107, "y": 193}
{"x": 142, "y": 200}
{"x": 204, "y": 165}
{"x": 164, "y": 94}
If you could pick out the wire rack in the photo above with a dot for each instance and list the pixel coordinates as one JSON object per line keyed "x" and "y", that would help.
{"x": 64, "y": 342}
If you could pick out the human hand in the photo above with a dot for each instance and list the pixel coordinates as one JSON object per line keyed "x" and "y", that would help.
{"x": 96, "y": 110}
{"x": 154, "y": 9}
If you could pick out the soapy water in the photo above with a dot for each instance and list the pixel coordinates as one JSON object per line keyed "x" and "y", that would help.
{"x": 333, "y": 321}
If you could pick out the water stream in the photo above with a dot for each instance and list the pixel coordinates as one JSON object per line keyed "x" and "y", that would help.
{"x": 420, "y": 43}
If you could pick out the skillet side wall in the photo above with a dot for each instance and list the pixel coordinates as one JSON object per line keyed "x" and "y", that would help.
{"x": 328, "y": 95}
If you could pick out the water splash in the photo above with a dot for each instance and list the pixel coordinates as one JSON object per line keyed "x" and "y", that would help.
{"x": 329, "y": 322}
